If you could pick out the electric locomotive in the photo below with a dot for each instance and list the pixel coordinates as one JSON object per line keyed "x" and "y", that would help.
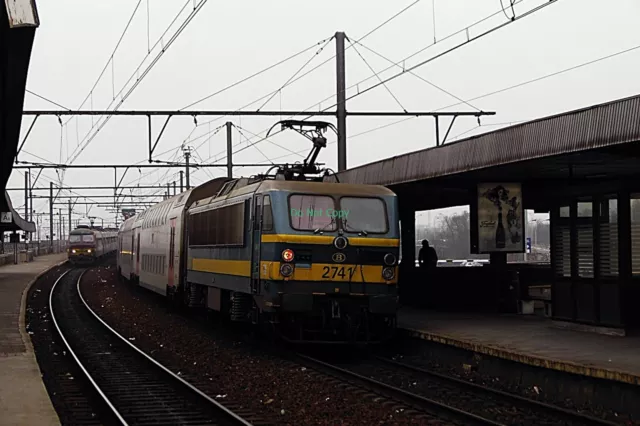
{"x": 86, "y": 245}
{"x": 307, "y": 259}
{"x": 315, "y": 262}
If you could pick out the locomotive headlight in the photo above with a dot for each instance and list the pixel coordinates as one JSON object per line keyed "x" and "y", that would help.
{"x": 73, "y": 251}
{"x": 287, "y": 255}
{"x": 340, "y": 243}
{"x": 389, "y": 259}
{"x": 89, "y": 251}
{"x": 286, "y": 269}
{"x": 388, "y": 273}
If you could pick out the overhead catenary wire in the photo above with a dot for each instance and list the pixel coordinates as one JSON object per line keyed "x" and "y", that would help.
{"x": 469, "y": 40}
{"x": 262, "y": 71}
{"x": 296, "y": 73}
{"x": 406, "y": 58}
{"x": 553, "y": 74}
{"x": 145, "y": 72}
{"x": 259, "y": 150}
{"x": 124, "y": 32}
{"x": 296, "y": 55}
{"x": 240, "y": 129}
{"x": 46, "y": 99}
{"x": 416, "y": 53}
{"x": 141, "y": 77}
{"x": 418, "y": 76}
{"x": 494, "y": 92}
{"x": 378, "y": 76}
{"x": 370, "y": 32}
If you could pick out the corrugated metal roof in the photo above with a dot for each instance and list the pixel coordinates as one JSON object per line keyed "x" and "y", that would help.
{"x": 22, "y": 13}
{"x": 602, "y": 125}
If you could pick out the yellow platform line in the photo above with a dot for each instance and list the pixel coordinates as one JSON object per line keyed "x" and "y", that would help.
{"x": 536, "y": 361}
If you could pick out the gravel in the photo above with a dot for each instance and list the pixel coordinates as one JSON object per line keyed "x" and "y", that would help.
{"x": 419, "y": 354}
{"x": 235, "y": 368}
{"x": 496, "y": 408}
{"x": 72, "y": 396}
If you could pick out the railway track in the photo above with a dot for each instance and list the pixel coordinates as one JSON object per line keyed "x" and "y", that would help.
{"x": 548, "y": 413}
{"x": 136, "y": 388}
{"x": 449, "y": 397}
{"x": 410, "y": 402}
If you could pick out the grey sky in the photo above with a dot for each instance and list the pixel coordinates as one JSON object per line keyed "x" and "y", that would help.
{"x": 230, "y": 40}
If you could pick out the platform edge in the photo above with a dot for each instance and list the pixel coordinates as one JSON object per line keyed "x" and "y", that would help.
{"x": 536, "y": 361}
{"x": 29, "y": 351}
{"x": 26, "y": 340}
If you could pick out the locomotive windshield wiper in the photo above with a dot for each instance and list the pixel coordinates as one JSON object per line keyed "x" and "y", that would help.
{"x": 352, "y": 229}
{"x": 333, "y": 221}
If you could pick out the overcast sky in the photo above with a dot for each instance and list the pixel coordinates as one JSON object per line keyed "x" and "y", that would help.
{"x": 227, "y": 41}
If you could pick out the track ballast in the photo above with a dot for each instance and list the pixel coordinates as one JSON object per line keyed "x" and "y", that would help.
{"x": 137, "y": 389}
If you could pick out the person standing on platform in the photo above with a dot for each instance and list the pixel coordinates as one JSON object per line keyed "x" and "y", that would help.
{"x": 428, "y": 260}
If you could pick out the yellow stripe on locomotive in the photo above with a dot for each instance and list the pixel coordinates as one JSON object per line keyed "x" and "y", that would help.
{"x": 372, "y": 274}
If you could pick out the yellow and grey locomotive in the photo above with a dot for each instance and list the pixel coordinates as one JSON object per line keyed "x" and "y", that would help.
{"x": 318, "y": 261}
{"x": 314, "y": 261}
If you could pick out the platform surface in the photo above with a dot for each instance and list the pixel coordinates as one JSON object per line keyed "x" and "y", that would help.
{"x": 23, "y": 397}
{"x": 531, "y": 340}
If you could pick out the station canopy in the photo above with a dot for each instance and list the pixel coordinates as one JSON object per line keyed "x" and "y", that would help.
{"x": 590, "y": 144}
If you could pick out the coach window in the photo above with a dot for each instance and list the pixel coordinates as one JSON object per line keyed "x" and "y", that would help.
{"x": 267, "y": 214}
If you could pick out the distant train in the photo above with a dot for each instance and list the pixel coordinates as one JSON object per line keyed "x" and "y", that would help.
{"x": 86, "y": 244}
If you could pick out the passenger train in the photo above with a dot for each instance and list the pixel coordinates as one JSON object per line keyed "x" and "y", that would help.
{"x": 312, "y": 261}
{"x": 87, "y": 245}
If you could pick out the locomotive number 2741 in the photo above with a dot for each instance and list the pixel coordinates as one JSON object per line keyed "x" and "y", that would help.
{"x": 337, "y": 272}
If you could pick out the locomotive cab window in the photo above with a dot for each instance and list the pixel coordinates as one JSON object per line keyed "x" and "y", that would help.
{"x": 359, "y": 214}
{"x": 312, "y": 212}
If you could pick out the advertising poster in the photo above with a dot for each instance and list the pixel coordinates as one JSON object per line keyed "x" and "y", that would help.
{"x": 500, "y": 218}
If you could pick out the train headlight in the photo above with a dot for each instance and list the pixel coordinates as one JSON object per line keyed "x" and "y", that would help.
{"x": 287, "y": 255}
{"x": 340, "y": 243}
{"x": 388, "y": 273}
{"x": 286, "y": 269}
{"x": 73, "y": 251}
{"x": 389, "y": 259}
{"x": 89, "y": 251}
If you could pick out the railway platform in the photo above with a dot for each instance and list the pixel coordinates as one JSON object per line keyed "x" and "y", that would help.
{"x": 23, "y": 397}
{"x": 529, "y": 340}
